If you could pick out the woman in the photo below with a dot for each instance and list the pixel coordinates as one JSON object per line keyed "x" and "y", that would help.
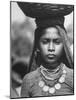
{"x": 51, "y": 58}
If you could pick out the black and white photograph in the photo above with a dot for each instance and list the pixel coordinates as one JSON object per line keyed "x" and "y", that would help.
{"x": 42, "y": 49}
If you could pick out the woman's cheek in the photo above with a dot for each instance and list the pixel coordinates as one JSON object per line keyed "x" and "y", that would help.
{"x": 59, "y": 49}
{"x": 43, "y": 49}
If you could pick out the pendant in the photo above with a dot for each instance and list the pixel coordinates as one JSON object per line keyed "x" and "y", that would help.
{"x": 64, "y": 71}
{"x": 57, "y": 86}
{"x": 52, "y": 90}
{"x": 62, "y": 79}
{"x": 41, "y": 83}
{"x": 45, "y": 88}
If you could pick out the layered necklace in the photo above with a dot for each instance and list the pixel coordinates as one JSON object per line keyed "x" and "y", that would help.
{"x": 59, "y": 74}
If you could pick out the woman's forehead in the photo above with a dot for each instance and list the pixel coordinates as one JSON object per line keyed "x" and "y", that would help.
{"x": 51, "y": 32}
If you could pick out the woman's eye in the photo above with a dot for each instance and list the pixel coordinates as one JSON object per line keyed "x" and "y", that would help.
{"x": 57, "y": 41}
{"x": 44, "y": 41}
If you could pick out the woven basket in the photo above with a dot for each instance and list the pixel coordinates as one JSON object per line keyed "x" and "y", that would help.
{"x": 39, "y": 10}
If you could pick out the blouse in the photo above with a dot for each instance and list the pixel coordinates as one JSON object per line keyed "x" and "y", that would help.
{"x": 31, "y": 88}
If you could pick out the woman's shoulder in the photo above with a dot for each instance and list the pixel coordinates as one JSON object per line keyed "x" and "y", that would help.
{"x": 69, "y": 71}
{"x": 31, "y": 76}
{"x": 28, "y": 81}
{"x": 69, "y": 76}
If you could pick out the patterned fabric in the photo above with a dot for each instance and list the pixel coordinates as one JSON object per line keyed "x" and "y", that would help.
{"x": 30, "y": 86}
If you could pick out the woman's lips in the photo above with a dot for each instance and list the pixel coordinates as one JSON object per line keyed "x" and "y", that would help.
{"x": 51, "y": 56}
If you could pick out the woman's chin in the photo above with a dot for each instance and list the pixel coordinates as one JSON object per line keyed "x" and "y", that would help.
{"x": 51, "y": 61}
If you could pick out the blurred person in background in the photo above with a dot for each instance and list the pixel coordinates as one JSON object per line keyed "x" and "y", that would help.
{"x": 21, "y": 48}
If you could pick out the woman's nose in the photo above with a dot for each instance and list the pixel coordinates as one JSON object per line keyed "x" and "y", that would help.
{"x": 51, "y": 47}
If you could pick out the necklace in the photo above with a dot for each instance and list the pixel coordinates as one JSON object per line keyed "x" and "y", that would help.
{"x": 52, "y": 75}
{"x": 57, "y": 86}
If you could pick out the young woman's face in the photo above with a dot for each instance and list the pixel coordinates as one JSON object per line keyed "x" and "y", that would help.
{"x": 50, "y": 45}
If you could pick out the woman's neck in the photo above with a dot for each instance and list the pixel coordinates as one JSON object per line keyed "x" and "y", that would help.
{"x": 51, "y": 67}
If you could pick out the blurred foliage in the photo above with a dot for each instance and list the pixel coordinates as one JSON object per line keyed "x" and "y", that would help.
{"x": 22, "y": 46}
{"x": 22, "y": 36}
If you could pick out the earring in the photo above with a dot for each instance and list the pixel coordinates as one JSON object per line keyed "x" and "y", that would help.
{"x": 37, "y": 50}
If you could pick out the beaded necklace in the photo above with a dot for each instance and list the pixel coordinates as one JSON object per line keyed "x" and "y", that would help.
{"x": 52, "y": 75}
{"x": 57, "y": 86}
